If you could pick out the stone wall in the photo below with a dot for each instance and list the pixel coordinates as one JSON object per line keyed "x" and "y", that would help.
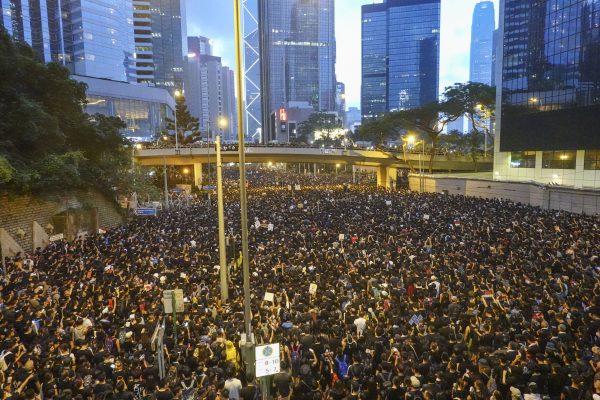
{"x": 17, "y": 213}
{"x": 546, "y": 197}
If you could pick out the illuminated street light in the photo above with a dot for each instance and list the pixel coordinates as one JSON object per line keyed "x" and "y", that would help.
{"x": 222, "y": 122}
{"x": 186, "y": 171}
{"x": 177, "y": 94}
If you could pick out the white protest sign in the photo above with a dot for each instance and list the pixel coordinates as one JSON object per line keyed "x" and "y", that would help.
{"x": 267, "y": 360}
{"x": 269, "y": 297}
{"x": 426, "y": 217}
{"x": 341, "y": 237}
{"x": 297, "y": 187}
{"x": 257, "y": 224}
{"x": 312, "y": 289}
{"x": 270, "y": 227}
{"x": 388, "y": 203}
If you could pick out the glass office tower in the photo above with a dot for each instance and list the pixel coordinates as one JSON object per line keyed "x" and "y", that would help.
{"x": 550, "y": 92}
{"x": 298, "y": 55}
{"x": 400, "y": 61}
{"x": 253, "y": 80}
{"x": 28, "y": 21}
{"x": 482, "y": 42}
{"x": 169, "y": 42}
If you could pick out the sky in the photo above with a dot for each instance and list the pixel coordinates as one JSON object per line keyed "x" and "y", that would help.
{"x": 214, "y": 19}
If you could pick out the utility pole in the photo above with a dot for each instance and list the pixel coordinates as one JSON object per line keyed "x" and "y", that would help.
{"x": 166, "y": 187}
{"x": 248, "y": 349}
{"x": 221, "y": 218}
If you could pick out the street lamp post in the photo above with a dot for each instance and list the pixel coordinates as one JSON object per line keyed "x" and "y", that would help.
{"x": 249, "y": 337}
{"x": 412, "y": 141}
{"x": 221, "y": 218}
{"x": 166, "y": 186}
{"x": 177, "y": 94}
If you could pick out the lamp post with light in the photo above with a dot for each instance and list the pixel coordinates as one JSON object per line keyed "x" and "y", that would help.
{"x": 221, "y": 217}
{"x": 177, "y": 94}
{"x": 412, "y": 141}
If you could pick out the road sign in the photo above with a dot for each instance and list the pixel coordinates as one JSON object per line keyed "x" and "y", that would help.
{"x": 168, "y": 301}
{"x": 267, "y": 360}
{"x": 145, "y": 212}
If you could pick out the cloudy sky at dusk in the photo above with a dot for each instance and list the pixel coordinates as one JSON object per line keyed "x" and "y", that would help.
{"x": 214, "y": 19}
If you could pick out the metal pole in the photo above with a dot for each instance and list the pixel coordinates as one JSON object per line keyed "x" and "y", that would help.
{"x": 242, "y": 166}
{"x": 176, "y": 133}
{"x": 221, "y": 217}
{"x": 174, "y": 318}
{"x": 166, "y": 187}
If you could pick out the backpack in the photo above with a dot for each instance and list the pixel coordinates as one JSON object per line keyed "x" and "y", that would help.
{"x": 295, "y": 355}
{"x": 109, "y": 344}
{"x": 122, "y": 334}
{"x": 342, "y": 366}
{"x": 188, "y": 392}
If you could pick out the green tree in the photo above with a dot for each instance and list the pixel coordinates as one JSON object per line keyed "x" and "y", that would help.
{"x": 323, "y": 122}
{"x": 477, "y": 102}
{"x": 47, "y": 141}
{"x": 428, "y": 121}
{"x": 188, "y": 126}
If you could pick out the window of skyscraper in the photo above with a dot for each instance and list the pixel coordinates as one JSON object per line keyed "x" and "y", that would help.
{"x": 592, "y": 160}
{"x": 522, "y": 159}
{"x": 559, "y": 159}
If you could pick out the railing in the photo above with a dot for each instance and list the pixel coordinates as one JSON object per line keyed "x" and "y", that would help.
{"x": 397, "y": 152}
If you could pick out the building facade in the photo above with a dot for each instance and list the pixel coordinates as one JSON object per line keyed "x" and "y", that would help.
{"x": 254, "y": 114}
{"x": 169, "y": 42}
{"x": 340, "y": 102}
{"x": 229, "y": 104}
{"x": 400, "y": 55}
{"x": 482, "y": 42}
{"x": 298, "y": 55}
{"x": 136, "y": 41}
{"x": 199, "y": 45}
{"x": 29, "y": 22}
{"x": 549, "y": 92}
{"x": 143, "y": 109}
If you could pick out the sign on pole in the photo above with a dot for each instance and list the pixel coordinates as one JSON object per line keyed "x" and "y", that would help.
{"x": 168, "y": 301}
{"x": 267, "y": 360}
{"x": 145, "y": 212}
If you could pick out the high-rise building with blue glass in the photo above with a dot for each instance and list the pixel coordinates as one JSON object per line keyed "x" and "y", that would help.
{"x": 400, "y": 55}
{"x": 297, "y": 56}
{"x": 482, "y": 42}
{"x": 28, "y": 21}
{"x": 549, "y": 92}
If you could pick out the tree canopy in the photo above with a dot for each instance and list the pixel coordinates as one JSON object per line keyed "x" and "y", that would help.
{"x": 47, "y": 141}
{"x": 188, "y": 126}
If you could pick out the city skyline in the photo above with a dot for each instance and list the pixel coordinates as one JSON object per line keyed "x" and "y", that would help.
{"x": 455, "y": 38}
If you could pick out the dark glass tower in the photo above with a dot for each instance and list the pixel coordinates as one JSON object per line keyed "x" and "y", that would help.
{"x": 298, "y": 54}
{"x": 482, "y": 42}
{"x": 169, "y": 44}
{"x": 550, "y": 75}
{"x": 400, "y": 55}
{"x": 28, "y": 21}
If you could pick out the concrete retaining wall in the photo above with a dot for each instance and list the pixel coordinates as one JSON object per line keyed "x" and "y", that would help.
{"x": 17, "y": 213}
{"x": 546, "y": 197}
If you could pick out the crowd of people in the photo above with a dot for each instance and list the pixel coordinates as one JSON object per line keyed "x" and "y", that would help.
{"x": 414, "y": 296}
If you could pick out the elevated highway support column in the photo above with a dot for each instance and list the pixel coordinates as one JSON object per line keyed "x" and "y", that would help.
{"x": 198, "y": 174}
{"x": 386, "y": 177}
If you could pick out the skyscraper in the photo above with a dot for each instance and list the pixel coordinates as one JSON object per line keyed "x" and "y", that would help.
{"x": 27, "y": 21}
{"x": 229, "y": 103}
{"x": 400, "y": 55}
{"x": 340, "y": 102}
{"x": 253, "y": 71}
{"x": 199, "y": 45}
{"x": 549, "y": 96}
{"x": 298, "y": 55}
{"x": 482, "y": 42}
{"x": 169, "y": 44}
{"x": 144, "y": 55}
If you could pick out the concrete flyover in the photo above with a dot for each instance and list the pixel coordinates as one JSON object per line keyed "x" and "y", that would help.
{"x": 387, "y": 162}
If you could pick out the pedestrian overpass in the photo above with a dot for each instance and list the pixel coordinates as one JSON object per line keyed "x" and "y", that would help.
{"x": 386, "y": 162}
